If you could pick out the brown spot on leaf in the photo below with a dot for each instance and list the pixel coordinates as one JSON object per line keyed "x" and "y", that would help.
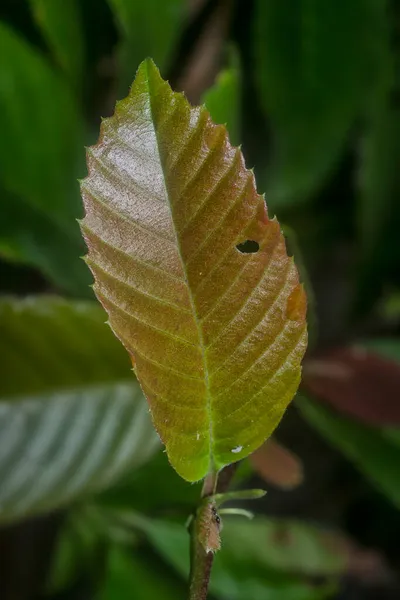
{"x": 296, "y": 304}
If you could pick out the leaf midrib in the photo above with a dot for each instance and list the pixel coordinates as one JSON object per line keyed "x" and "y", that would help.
{"x": 202, "y": 345}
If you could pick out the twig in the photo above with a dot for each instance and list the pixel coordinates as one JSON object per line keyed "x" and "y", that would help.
{"x": 201, "y": 560}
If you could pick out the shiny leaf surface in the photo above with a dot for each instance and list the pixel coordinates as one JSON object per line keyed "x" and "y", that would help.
{"x": 216, "y": 329}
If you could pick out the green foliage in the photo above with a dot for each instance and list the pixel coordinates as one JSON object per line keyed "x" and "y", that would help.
{"x": 72, "y": 420}
{"x": 312, "y": 93}
{"x": 369, "y": 448}
{"x": 38, "y": 158}
{"x": 60, "y": 22}
{"x": 374, "y": 450}
{"x": 379, "y": 186}
{"x": 130, "y": 575}
{"x": 149, "y": 28}
{"x": 250, "y": 566}
{"x": 223, "y": 99}
{"x": 223, "y": 360}
{"x": 316, "y": 61}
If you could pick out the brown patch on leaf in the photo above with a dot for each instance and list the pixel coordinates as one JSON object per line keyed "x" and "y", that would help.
{"x": 296, "y": 304}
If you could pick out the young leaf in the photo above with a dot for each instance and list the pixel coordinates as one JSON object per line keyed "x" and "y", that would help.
{"x": 357, "y": 382}
{"x": 277, "y": 465}
{"x": 72, "y": 420}
{"x": 216, "y": 334}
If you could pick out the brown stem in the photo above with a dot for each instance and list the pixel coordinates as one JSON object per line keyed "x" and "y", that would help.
{"x": 200, "y": 560}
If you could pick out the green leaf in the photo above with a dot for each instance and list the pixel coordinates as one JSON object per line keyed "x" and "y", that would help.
{"x": 259, "y": 559}
{"x": 223, "y": 98}
{"x": 60, "y": 22}
{"x": 216, "y": 334}
{"x": 378, "y": 212}
{"x": 150, "y": 28}
{"x": 40, "y": 131}
{"x": 72, "y": 420}
{"x": 154, "y": 488}
{"x": 27, "y": 236}
{"x": 317, "y": 63}
{"x": 39, "y": 172}
{"x": 130, "y": 575}
{"x": 370, "y": 449}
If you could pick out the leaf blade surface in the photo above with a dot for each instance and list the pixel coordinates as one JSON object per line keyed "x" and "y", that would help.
{"x": 216, "y": 335}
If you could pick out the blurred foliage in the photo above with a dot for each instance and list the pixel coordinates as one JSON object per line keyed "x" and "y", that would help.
{"x": 311, "y": 89}
{"x": 72, "y": 419}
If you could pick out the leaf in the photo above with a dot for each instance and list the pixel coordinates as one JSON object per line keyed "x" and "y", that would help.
{"x": 29, "y": 237}
{"x": 277, "y": 465}
{"x": 154, "y": 488}
{"x": 216, "y": 334}
{"x": 71, "y": 418}
{"x": 260, "y": 559}
{"x": 223, "y": 98}
{"x": 61, "y": 25}
{"x": 41, "y": 172}
{"x": 150, "y": 28}
{"x": 374, "y": 450}
{"x": 378, "y": 212}
{"x": 357, "y": 382}
{"x": 38, "y": 180}
{"x": 317, "y": 63}
{"x": 370, "y": 449}
{"x": 129, "y": 575}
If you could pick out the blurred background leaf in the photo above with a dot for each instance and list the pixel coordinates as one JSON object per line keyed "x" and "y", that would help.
{"x": 72, "y": 420}
{"x": 41, "y": 145}
{"x": 223, "y": 98}
{"x": 311, "y": 89}
{"x": 377, "y": 457}
{"x": 251, "y": 566}
{"x": 130, "y": 575}
{"x": 148, "y": 28}
{"x": 371, "y": 438}
{"x": 61, "y": 26}
{"x": 315, "y": 62}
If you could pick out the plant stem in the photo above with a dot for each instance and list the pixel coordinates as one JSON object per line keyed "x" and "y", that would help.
{"x": 200, "y": 560}
{"x": 200, "y": 569}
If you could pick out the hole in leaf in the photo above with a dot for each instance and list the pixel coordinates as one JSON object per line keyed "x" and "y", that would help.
{"x": 248, "y": 247}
